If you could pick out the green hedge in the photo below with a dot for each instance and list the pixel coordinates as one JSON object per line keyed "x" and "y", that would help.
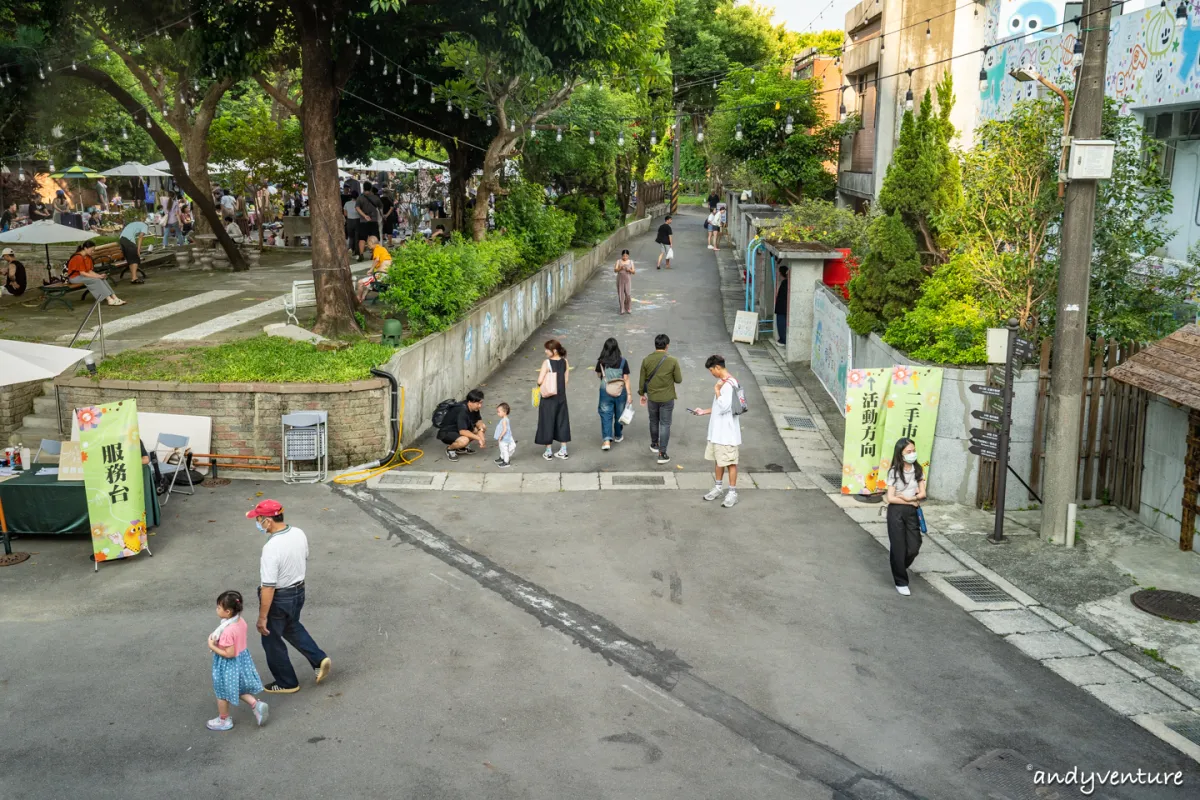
{"x": 591, "y": 223}
{"x": 542, "y": 233}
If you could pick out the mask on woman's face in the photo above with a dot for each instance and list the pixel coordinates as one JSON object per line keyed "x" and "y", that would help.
{"x": 910, "y": 458}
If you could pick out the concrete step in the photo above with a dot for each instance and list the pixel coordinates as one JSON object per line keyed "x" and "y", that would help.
{"x": 47, "y": 388}
{"x": 33, "y": 430}
{"x": 45, "y": 406}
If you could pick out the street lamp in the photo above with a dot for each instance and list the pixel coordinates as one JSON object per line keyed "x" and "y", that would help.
{"x": 1027, "y": 73}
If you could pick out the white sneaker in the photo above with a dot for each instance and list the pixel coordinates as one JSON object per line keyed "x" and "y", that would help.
{"x": 654, "y": 449}
{"x": 730, "y": 499}
{"x": 606, "y": 445}
{"x": 714, "y": 493}
{"x": 710, "y": 247}
{"x": 904, "y": 590}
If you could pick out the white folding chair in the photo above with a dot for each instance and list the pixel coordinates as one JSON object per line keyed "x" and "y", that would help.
{"x": 51, "y": 447}
{"x": 174, "y": 462}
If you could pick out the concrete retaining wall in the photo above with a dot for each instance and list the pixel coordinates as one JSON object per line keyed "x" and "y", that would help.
{"x": 451, "y": 363}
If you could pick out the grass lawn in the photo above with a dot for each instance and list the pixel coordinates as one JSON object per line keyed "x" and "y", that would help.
{"x": 263, "y": 359}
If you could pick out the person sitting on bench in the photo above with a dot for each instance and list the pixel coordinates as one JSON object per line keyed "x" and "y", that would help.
{"x": 80, "y": 273}
{"x": 381, "y": 262}
{"x": 462, "y": 426}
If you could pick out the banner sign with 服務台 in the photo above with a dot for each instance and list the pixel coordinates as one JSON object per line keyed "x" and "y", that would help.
{"x": 883, "y": 406}
{"x": 112, "y": 479}
{"x": 866, "y": 393}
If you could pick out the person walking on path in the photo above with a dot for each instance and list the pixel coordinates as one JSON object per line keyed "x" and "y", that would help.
{"x": 350, "y": 212}
{"x": 659, "y": 375}
{"x": 281, "y": 599}
{"x": 724, "y": 431}
{"x": 80, "y": 272}
{"x": 234, "y": 675}
{"x": 905, "y": 491}
{"x": 504, "y": 436}
{"x": 666, "y": 240}
{"x": 625, "y": 269}
{"x": 781, "y": 306}
{"x": 613, "y": 371}
{"x": 554, "y": 420}
{"x": 171, "y": 224}
{"x": 713, "y": 200}
{"x": 712, "y": 224}
{"x": 131, "y": 248}
{"x": 102, "y": 192}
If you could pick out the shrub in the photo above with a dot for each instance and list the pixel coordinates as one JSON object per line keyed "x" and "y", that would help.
{"x": 822, "y": 221}
{"x": 947, "y": 325}
{"x": 591, "y": 224}
{"x": 889, "y": 281}
{"x": 433, "y": 285}
{"x": 541, "y": 233}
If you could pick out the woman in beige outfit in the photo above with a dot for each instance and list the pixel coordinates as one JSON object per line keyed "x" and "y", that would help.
{"x": 624, "y": 269}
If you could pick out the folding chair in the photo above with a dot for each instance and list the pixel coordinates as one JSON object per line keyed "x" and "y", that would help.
{"x": 175, "y": 462}
{"x": 51, "y": 447}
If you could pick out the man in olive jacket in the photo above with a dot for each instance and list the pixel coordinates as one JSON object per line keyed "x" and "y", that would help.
{"x": 659, "y": 375}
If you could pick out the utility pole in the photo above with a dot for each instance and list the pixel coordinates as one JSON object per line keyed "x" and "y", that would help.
{"x": 1074, "y": 271}
{"x": 675, "y": 160}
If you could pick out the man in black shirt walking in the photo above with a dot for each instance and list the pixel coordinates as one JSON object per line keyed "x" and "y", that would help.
{"x": 666, "y": 240}
{"x": 781, "y": 306}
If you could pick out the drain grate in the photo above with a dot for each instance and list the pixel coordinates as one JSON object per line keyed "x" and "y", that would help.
{"x": 832, "y": 478}
{"x": 803, "y": 423}
{"x": 777, "y": 380}
{"x": 394, "y": 479}
{"x": 1008, "y": 775}
{"x": 1188, "y": 729}
{"x": 978, "y": 589}
{"x": 1172, "y": 605}
{"x": 638, "y": 480}
{"x": 13, "y": 558}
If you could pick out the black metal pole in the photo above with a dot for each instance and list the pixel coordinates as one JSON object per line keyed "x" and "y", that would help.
{"x": 997, "y": 536}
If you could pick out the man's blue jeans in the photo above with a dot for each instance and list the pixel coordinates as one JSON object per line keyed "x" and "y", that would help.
{"x": 283, "y": 622}
{"x": 781, "y": 328}
{"x": 610, "y": 410}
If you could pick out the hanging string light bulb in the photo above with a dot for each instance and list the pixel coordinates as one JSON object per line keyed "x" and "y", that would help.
{"x": 124, "y": 132}
{"x": 414, "y": 84}
{"x": 1077, "y": 52}
{"x": 449, "y": 106}
{"x": 533, "y": 131}
{"x": 699, "y": 134}
{"x": 41, "y": 74}
{"x": 621, "y": 139}
{"x": 78, "y": 156}
{"x": 432, "y": 96}
{"x": 737, "y": 133}
{"x": 591, "y": 137}
{"x": 489, "y": 119}
{"x": 789, "y": 126}
{"x": 74, "y": 68}
{"x": 371, "y": 60}
{"x": 512, "y": 127}
{"x": 347, "y": 38}
{"x": 466, "y": 113}
{"x": 358, "y": 49}
{"x": 653, "y": 138}
{"x": 908, "y": 96}
{"x": 385, "y": 68}
{"x": 21, "y": 174}
{"x": 398, "y": 76}
{"x": 751, "y": 80}
{"x": 714, "y": 83}
{"x": 928, "y": 31}
{"x": 558, "y": 135}
{"x": 983, "y": 76}
{"x": 147, "y": 122}
{"x": 104, "y": 144}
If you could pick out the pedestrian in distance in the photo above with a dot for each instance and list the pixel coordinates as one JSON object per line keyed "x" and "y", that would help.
{"x": 281, "y": 599}
{"x": 666, "y": 240}
{"x": 504, "y": 437}
{"x": 712, "y": 224}
{"x": 659, "y": 375}
{"x": 554, "y": 419}
{"x": 905, "y": 491}
{"x": 613, "y": 371}
{"x": 714, "y": 200}
{"x": 781, "y": 305}
{"x": 233, "y": 673}
{"x": 724, "y": 431}
{"x": 625, "y": 269}
{"x": 463, "y": 425}
{"x": 350, "y": 212}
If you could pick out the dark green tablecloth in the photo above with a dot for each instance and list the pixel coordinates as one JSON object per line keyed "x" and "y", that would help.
{"x": 44, "y": 504}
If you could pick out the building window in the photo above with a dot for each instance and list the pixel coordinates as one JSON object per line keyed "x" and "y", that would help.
{"x": 1159, "y": 128}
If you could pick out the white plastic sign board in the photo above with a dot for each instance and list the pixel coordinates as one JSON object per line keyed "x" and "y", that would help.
{"x": 150, "y": 425}
{"x": 745, "y": 327}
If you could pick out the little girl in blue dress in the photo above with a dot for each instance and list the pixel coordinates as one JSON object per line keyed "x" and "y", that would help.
{"x": 233, "y": 672}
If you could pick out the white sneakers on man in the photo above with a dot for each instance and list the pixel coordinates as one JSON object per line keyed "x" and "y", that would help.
{"x": 904, "y": 590}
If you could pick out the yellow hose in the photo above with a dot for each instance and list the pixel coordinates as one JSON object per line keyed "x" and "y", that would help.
{"x": 398, "y": 460}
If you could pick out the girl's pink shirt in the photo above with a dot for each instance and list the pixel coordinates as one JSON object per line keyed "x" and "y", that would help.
{"x": 234, "y": 635}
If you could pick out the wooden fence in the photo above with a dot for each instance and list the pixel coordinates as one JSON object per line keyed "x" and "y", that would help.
{"x": 1111, "y": 432}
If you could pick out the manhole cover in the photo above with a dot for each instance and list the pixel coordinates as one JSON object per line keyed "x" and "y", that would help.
{"x": 1188, "y": 729}
{"x": 1172, "y": 605}
{"x": 638, "y": 480}
{"x": 978, "y": 589}
{"x": 777, "y": 380}
{"x": 212, "y": 483}
{"x": 13, "y": 558}
{"x": 394, "y": 479}
{"x": 803, "y": 423}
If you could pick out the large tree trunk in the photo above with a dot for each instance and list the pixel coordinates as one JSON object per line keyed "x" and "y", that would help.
{"x": 493, "y": 162}
{"x": 460, "y": 172}
{"x": 331, "y": 263}
{"x": 195, "y": 149}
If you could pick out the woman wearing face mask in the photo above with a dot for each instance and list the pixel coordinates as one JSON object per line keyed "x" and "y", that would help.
{"x": 905, "y": 491}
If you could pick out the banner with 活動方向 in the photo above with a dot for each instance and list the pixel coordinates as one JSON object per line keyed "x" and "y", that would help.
{"x": 866, "y": 396}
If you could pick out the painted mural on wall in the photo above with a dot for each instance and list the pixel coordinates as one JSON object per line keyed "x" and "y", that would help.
{"x": 1150, "y": 61}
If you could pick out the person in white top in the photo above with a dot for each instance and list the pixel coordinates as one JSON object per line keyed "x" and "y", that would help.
{"x": 724, "y": 431}
{"x": 281, "y": 598}
{"x": 905, "y": 491}
{"x": 712, "y": 224}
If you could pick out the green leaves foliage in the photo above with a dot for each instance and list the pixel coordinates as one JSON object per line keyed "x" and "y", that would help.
{"x": 542, "y": 233}
{"x": 822, "y": 221}
{"x": 433, "y": 285}
{"x": 591, "y": 222}
{"x": 947, "y": 325}
{"x": 889, "y": 281}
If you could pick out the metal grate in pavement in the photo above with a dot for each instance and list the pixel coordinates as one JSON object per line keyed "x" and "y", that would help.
{"x": 832, "y": 478}
{"x": 1007, "y": 775}
{"x": 638, "y": 480}
{"x": 978, "y": 589}
{"x": 803, "y": 423}
{"x": 777, "y": 380}
{"x": 1188, "y": 729}
{"x": 401, "y": 479}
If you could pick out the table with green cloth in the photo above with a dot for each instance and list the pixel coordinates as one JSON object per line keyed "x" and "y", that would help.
{"x": 42, "y": 504}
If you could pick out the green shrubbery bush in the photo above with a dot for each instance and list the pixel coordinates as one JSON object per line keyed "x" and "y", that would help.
{"x": 821, "y": 221}
{"x": 591, "y": 224}
{"x": 947, "y": 325}
{"x": 541, "y": 233}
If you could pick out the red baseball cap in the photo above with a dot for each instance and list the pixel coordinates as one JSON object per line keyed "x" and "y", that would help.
{"x": 267, "y": 508}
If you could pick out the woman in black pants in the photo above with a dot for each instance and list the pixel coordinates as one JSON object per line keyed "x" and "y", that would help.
{"x": 905, "y": 491}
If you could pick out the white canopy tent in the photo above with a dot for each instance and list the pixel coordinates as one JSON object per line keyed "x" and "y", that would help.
{"x": 354, "y": 165}
{"x": 133, "y": 169}
{"x": 45, "y": 232}
{"x": 25, "y": 361}
{"x": 215, "y": 169}
{"x": 422, "y": 163}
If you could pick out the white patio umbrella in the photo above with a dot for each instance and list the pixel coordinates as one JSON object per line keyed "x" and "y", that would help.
{"x": 421, "y": 163}
{"x": 45, "y": 232}
{"x": 26, "y": 361}
{"x": 133, "y": 169}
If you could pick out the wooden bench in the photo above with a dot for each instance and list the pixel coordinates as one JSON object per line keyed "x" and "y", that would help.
{"x": 304, "y": 295}
{"x": 57, "y": 293}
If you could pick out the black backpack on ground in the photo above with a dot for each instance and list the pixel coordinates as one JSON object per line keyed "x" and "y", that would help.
{"x": 439, "y": 413}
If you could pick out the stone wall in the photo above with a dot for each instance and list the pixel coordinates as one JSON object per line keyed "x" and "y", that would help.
{"x": 454, "y": 361}
{"x": 15, "y": 402}
{"x": 246, "y": 416}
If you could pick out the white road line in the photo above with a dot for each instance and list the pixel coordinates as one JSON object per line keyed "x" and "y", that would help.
{"x": 443, "y": 580}
{"x": 644, "y": 699}
{"x": 780, "y": 772}
{"x": 226, "y": 321}
{"x": 160, "y": 312}
{"x": 659, "y": 692}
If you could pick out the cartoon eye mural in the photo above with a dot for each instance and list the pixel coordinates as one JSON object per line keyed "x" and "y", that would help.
{"x": 1034, "y": 20}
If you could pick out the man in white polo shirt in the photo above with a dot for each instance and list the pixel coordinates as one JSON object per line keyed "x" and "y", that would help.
{"x": 281, "y": 598}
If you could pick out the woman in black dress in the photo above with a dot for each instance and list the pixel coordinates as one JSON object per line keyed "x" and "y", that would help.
{"x": 554, "y": 421}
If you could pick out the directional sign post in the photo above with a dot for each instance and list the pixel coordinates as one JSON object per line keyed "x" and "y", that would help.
{"x": 1018, "y": 348}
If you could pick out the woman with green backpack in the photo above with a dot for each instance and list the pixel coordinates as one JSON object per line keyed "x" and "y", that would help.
{"x": 613, "y": 371}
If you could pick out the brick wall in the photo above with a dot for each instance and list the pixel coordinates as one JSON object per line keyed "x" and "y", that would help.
{"x": 246, "y": 416}
{"x": 15, "y": 402}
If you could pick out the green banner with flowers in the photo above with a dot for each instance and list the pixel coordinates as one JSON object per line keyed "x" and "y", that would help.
{"x": 112, "y": 479}
{"x": 914, "y": 394}
{"x": 866, "y": 393}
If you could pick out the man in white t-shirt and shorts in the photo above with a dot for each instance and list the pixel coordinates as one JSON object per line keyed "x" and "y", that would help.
{"x": 281, "y": 598}
{"x": 724, "y": 431}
